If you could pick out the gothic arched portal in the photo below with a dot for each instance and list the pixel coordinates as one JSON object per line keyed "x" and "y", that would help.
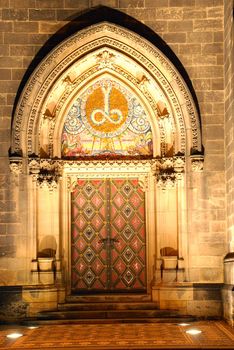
{"x": 106, "y": 126}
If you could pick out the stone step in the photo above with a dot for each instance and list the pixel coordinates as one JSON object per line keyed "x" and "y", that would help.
{"x": 175, "y": 319}
{"x": 106, "y": 314}
{"x": 112, "y": 298}
{"x": 107, "y": 306}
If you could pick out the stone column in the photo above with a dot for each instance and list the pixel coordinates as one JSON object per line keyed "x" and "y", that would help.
{"x": 171, "y": 219}
{"x": 45, "y": 222}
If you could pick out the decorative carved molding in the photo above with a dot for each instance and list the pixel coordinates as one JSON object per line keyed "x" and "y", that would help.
{"x": 169, "y": 170}
{"x": 144, "y": 182}
{"x": 16, "y": 168}
{"x": 74, "y": 170}
{"x": 79, "y": 45}
{"x": 143, "y": 80}
{"x": 68, "y": 80}
{"x": 129, "y": 165}
{"x": 71, "y": 182}
{"x": 16, "y": 165}
{"x": 165, "y": 170}
{"x": 46, "y": 172}
{"x": 197, "y": 162}
{"x": 105, "y": 59}
{"x": 72, "y": 179}
{"x": 34, "y": 167}
{"x": 48, "y": 181}
{"x": 179, "y": 164}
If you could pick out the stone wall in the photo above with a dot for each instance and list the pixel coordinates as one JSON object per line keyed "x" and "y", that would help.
{"x": 228, "y": 293}
{"x": 229, "y": 128}
{"x": 195, "y": 32}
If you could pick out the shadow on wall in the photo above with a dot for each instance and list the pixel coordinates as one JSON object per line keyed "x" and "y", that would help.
{"x": 47, "y": 247}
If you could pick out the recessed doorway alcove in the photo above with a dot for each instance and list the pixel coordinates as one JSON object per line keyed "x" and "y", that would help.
{"x": 106, "y": 138}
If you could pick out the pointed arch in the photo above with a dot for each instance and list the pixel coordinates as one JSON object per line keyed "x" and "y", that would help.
{"x": 142, "y": 67}
{"x": 82, "y": 57}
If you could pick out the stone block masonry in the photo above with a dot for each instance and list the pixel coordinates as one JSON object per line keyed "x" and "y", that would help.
{"x": 189, "y": 27}
{"x": 199, "y": 33}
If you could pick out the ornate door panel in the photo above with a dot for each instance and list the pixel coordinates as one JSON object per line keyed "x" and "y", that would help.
{"x": 108, "y": 236}
{"x": 127, "y": 227}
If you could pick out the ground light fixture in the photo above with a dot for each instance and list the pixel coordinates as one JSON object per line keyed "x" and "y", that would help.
{"x": 14, "y": 335}
{"x": 193, "y": 331}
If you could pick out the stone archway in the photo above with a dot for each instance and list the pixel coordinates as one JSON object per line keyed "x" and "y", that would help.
{"x": 101, "y": 43}
{"x": 108, "y": 51}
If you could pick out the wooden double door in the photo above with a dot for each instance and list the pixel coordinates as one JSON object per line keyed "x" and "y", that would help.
{"x": 108, "y": 236}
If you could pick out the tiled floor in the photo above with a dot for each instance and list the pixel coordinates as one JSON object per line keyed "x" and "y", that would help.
{"x": 214, "y": 335}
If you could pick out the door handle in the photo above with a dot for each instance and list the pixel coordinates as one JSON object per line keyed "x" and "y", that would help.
{"x": 108, "y": 241}
{"x": 103, "y": 240}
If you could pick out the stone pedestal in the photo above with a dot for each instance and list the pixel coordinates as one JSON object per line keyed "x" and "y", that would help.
{"x": 43, "y": 271}
{"x": 58, "y": 272}
{"x": 194, "y": 299}
{"x": 45, "y": 264}
{"x": 46, "y": 277}
{"x": 169, "y": 269}
{"x": 42, "y": 297}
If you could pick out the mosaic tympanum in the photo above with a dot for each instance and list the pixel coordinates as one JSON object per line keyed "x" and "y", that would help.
{"x": 106, "y": 120}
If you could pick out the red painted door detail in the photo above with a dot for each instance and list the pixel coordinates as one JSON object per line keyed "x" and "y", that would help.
{"x": 108, "y": 242}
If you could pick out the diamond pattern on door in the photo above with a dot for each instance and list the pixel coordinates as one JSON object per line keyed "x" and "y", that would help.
{"x": 108, "y": 244}
{"x": 88, "y": 229}
{"x": 130, "y": 239}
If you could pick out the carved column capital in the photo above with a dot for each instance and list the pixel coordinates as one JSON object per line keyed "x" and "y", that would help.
{"x": 16, "y": 165}
{"x": 169, "y": 170}
{"x": 71, "y": 182}
{"x": 46, "y": 172}
{"x": 144, "y": 182}
{"x": 197, "y": 162}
